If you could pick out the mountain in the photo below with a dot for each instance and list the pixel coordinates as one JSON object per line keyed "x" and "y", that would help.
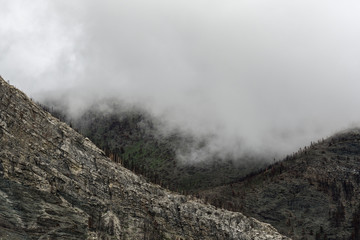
{"x": 312, "y": 194}
{"x": 134, "y": 138}
{"x": 56, "y": 184}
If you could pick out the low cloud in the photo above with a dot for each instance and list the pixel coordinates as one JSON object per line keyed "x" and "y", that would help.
{"x": 257, "y": 76}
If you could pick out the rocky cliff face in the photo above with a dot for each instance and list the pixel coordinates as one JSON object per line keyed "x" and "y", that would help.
{"x": 56, "y": 184}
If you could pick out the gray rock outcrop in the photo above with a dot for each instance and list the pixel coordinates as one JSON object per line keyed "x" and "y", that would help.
{"x": 56, "y": 184}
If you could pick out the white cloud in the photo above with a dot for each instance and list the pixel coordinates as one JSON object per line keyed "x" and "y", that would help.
{"x": 270, "y": 75}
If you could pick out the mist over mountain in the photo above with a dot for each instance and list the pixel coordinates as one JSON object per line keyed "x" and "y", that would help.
{"x": 249, "y": 74}
{"x": 171, "y": 158}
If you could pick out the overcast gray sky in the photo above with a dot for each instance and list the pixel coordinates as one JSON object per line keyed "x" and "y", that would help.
{"x": 262, "y": 76}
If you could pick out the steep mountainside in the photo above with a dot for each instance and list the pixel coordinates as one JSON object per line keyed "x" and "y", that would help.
{"x": 313, "y": 194}
{"x": 55, "y": 184}
{"x": 132, "y": 137}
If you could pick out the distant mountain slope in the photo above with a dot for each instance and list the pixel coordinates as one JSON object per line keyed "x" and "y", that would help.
{"x": 314, "y": 194}
{"x": 135, "y": 139}
{"x": 55, "y": 184}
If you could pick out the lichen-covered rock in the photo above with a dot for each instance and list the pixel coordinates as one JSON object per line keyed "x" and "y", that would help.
{"x": 56, "y": 184}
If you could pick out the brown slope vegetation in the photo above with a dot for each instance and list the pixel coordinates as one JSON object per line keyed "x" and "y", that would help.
{"x": 313, "y": 194}
{"x": 56, "y": 184}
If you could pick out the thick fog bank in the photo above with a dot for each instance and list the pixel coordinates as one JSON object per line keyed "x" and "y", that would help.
{"x": 254, "y": 77}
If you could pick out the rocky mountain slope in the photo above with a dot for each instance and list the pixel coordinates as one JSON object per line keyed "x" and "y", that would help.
{"x": 312, "y": 194}
{"x": 56, "y": 184}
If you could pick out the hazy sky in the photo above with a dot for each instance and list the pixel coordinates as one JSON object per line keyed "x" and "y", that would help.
{"x": 259, "y": 75}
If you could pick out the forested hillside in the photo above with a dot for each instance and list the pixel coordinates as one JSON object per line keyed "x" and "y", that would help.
{"x": 133, "y": 138}
{"x": 312, "y": 194}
